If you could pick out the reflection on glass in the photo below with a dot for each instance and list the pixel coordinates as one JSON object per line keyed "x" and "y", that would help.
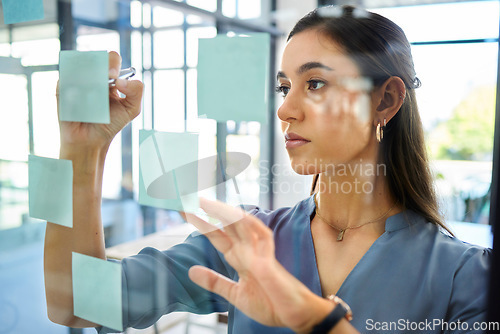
{"x": 207, "y": 147}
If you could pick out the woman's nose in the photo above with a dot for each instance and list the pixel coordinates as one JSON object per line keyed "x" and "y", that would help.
{"x": 290, "y": 109}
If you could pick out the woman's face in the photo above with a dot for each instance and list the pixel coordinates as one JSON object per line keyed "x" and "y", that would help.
{"x": 324, "y": 103}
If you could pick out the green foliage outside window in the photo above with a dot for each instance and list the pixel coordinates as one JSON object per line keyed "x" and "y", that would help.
{"x": 468, "y": 133}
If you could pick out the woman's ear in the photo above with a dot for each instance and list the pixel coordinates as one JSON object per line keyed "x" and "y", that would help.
{"x": 388, "y": 99}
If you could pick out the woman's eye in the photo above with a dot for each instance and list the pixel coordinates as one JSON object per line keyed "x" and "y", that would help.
{"x": 315, "y": 84}
{"x": 283, "y": 90}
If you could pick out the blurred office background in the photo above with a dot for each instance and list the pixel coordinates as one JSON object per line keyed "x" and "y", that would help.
{"x": 455, "y": 49}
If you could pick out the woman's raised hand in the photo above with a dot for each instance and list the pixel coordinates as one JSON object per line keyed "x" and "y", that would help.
{"x": 265, "y": 290}
{"x": 86, "y": 145}
{"x": 76, "y": 136}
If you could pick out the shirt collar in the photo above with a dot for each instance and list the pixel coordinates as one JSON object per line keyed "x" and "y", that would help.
{"x": 395, "y": 222}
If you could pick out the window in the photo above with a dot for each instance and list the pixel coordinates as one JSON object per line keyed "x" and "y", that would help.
{"x": 45, "y": 124}
{"x": 455, "y": 55}
{"x": 165, "y": 47}
{"x": 13, "y": 157}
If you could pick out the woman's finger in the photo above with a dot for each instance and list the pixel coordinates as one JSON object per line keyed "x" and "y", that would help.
{"x": 226, "y": 214}
{"x": 236, "y": 221}
{"x": 133, "y": 90}
{"x": 214, "y": 282}
{"x": 115, "y": 62}
{"x": 255, "y": 225}
{"x": 217, "y": 237}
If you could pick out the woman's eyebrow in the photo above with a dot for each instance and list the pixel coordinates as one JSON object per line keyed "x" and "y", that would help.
{"x": 310, "y": 65}
{"x": 304, "y": 68}
{"x": 281, "y": 74}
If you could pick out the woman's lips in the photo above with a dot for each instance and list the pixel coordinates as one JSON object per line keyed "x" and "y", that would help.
{"x": 295, "y": 143}
{"x": 293, "y": 140}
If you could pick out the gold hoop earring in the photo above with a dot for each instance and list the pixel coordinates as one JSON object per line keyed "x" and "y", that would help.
{"x": 379, "y": 133}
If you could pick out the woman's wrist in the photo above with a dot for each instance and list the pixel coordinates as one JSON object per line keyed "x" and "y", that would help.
{"x": 83, "y": 155}
{"x": 340, "y": 312}
{"x": 83, "y": 152}
{"x": 324, "y": 314}
{"x": 88, "y": 165}
{"x": 317, "y": 309}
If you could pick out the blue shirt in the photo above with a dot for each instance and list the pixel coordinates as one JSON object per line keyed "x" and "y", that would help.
{"x": 413, "y": 278}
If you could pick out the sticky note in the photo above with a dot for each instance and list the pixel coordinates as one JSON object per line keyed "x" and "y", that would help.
{"x": 168, "y": 170}
{"x": 233, "y": 77}
{"x": 51, "y": 190}
{"x": 15, "y": 11}
{"x": 83, "y": 86}
{"x": 97, "y": 290}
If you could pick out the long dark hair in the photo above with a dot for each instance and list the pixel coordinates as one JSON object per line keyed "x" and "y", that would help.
{"x": 380, "y": 49}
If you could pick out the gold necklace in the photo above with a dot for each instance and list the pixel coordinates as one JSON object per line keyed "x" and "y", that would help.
{"x": 340, "y": 237}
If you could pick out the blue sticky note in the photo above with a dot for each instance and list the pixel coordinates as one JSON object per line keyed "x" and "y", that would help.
{"x": 15, "y": 11}
{"x": 168, "y": 170}
{"x": 51, "y": 190}
{"x": 233, "y": 77}
{"x": 84, "y": 87}
{"x": 97, "y": 291}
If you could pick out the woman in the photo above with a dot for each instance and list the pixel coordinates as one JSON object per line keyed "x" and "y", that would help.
{"x": 369, "y": 234}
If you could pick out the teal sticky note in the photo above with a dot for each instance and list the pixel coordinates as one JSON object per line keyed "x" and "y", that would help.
{"x": 15, "y": 11}
{"x": 168, "y": 170}
{"x": 51, "y": 190}
{"x": 97, "y": 290}
{"x": 233, "y": 77}
{"x": 84, "y": 87}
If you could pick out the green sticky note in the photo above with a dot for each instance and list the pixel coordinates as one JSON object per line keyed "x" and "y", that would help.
{"x": 168, "y": 170}
{"x": 233, "y": 77}
{"x": 51, "y": 190}
{"x": 84, "y": 87}
{"x": 97, "y": 291}
{"x": 15, "y": 11}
